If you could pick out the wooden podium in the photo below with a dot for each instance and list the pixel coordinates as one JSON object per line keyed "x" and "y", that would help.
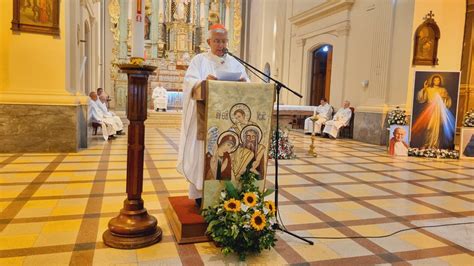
{"x": 184, "y": 216}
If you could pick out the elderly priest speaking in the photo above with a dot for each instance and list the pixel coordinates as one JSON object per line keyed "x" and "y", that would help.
{"x": 203, "y": 66}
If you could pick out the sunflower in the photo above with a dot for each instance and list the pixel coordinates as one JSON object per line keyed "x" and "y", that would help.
{"x": 258, "y": 221}
{"x": 270, "y": 205}
{"x": 232, "y": 205}
{"x": 250, "y": 199}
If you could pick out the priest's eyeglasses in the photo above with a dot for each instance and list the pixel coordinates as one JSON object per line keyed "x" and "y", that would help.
{"x": 220, "y": 41}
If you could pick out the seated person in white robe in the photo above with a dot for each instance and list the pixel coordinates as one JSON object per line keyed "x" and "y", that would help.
{"x": 202, "y": 67}
{"x": 97, "y": 116}
{"x": 110, "y": 117}
{"x": 322, "y": 113}
{"x": 101, "y": 92}
{"x": 340, "y": 119}
{"x": 160, "y": 98}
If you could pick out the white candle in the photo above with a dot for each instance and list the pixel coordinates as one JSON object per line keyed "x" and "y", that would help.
{"x": 138, "y": 28}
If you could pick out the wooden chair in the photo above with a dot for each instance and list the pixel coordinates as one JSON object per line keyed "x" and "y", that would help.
{"x": 95, "y": 126}
{"x": 347, "y": 131}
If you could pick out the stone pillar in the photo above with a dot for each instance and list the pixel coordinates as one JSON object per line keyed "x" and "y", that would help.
{"x": 191, "y": 12}
{"x": 154, "y": 27}
{"x": 382, "y": 42}
{"x": 161, "y": 21}
{"x": 370, "y": 117}
{"x": 229, "y": 24}
{"x": 204, "y": 23}
{"x": 123, "y": 28}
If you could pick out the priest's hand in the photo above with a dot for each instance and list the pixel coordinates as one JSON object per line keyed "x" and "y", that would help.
{"x": 211, "y": 77}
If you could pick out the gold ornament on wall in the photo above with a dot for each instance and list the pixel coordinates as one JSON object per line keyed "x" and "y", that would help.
{"x": 425, "y": 51}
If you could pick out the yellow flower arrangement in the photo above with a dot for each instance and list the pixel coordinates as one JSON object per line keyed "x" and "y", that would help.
{"x": 258, "y": 221}
{"x": 232, "y": 205}
{"x": 241, "y": 222}
{"x": 250, "y": 199}
{"x": 270, "y": 205}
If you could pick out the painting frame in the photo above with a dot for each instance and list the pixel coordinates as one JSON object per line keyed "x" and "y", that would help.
{"x": 426, "y": 38}
{"x": 20, "y": 24}
{"x": 450, "y": 79}
{"x": 467, "y": 133}
{"x": 392, "y": 150}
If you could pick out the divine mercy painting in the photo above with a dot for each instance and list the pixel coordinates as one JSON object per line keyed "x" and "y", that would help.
{"x": 434, "y": 109}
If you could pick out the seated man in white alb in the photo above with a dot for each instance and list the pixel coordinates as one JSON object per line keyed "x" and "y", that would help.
{"x": 341, "y": 118}
{"x": 160, "y": 98}
{"x": 110, "y": 116}
{"x": 97, "y": 116}
{"x": 322, "y": 113}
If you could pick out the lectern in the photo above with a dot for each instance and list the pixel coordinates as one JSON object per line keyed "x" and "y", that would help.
{"x": 234, "y": 121}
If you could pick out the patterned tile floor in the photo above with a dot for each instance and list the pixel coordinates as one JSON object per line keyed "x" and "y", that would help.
{"x": 55, "y": 207}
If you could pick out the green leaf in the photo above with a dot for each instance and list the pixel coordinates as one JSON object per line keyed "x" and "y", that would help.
{"x": 211, "y": 224}
{"x": 268, "y": 191}
{"x": 231, "y": 189}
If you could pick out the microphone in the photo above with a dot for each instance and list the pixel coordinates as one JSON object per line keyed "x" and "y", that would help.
{"x": 226, "y": 51}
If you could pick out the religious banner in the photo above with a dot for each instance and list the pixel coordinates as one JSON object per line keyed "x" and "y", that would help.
{"x": 434, "y": 109}
{"x": 238, "y": 116}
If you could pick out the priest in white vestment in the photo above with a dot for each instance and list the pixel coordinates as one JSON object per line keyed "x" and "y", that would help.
{"x": 97, "y": 116}
{"x": 341, "y": 118}
{"x": 160, "y": 98}
{"x": 322, "y": 113}
{"x": 202, "y": 67}
{"x": 110, "y": 117}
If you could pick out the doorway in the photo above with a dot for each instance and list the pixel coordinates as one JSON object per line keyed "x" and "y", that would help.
{"x": 321, "y": 65}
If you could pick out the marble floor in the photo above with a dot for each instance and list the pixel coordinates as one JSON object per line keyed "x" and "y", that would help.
{"x": 55, "y": 207}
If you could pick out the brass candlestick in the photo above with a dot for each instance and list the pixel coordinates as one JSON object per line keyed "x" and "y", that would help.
{"x": 313, "y": 139}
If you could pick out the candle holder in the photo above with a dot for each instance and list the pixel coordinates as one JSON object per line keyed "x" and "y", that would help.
{"x": 134, "y": 227}
{"x": 311, "y": 150}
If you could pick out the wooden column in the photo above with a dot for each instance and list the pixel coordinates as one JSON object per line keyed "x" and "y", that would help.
{"x": 134, "y": 227}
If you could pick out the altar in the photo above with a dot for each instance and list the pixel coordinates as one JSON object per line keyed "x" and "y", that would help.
{"x": 175, "y": 31}
{"x": 292, "y": 116}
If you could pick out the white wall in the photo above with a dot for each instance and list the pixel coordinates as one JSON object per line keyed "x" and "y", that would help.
{"x": 354, "y": 28}
{"x": 450, "y": 16}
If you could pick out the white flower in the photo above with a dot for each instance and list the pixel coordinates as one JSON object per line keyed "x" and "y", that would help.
{"x": 265, "y": 211}
{"x": 223, "y": 194}
{"x": 244, "y": 207}
{"x": 272, "y": 220}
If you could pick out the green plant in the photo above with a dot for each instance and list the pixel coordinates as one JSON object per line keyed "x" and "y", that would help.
{"x": 242, "y": 221}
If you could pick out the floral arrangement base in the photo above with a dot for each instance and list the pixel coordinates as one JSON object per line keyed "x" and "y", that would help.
{"x": 285, "y": 147}
{"x": 433, "y": 153}
{"x": 242, "y": 222}
{"x": 186, "y": 222}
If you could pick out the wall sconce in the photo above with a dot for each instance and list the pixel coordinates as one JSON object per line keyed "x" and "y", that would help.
{"x": 365, "y": 83}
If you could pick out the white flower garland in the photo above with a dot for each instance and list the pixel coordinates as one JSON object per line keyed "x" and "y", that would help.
{"x": 397, "y": 117}
{"x": 468, "y": 120}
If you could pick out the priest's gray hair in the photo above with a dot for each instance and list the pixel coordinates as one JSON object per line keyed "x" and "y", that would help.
{"x": 210, "y": 32}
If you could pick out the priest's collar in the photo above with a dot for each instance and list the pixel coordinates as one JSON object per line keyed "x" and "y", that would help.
{"x": 217, "y": 59}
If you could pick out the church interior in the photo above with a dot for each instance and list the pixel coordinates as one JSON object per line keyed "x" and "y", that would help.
{"x": 373, "y": 164}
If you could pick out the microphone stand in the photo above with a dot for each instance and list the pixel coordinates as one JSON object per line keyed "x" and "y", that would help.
{"x": 278, "y": 88}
